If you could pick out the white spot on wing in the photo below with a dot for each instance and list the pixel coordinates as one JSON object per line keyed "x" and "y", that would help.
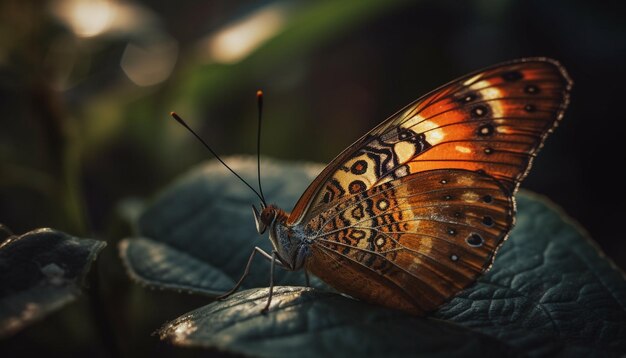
{"x": 404, "y": 151}
{"x": 463, "y": 149}
{"x": 434, "y": 136}
{"x": 465, "y": 180}
{"x": 430, "y": 129}
{"x": 469, "y": 196}
{"x": 492, "y": 94}
{"x": 503, "y": 129}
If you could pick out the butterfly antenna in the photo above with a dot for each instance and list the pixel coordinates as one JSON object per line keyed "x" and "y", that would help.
{"x": 259, "y": 97}
{"x": 184, "y": 124}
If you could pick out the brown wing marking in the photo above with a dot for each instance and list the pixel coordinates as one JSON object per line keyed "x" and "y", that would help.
{"x": 414, "y": 242}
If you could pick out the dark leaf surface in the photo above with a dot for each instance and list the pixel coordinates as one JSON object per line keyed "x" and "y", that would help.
{"x": 315, "y": 323}
{"x": 550, "y": 291}
{"x": 40, "y": 272}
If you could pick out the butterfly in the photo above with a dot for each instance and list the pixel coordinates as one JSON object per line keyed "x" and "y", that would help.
{"x": 414, "y": 211}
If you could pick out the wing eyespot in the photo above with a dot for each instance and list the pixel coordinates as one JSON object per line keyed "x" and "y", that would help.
{"x": 475, "y": 240}
{"x": 357, "y": 212}
{"x": 530, "y": 108}
{"x": 382, "y": 204}
{"x": 479, "y": 111}
{"x": 356, "y": 186}
{"x": 485, "y": 130}
{"x": 380, "y": 241}
{"x": 531, "y": 89}
{"x": 359, "y": 167}
{"x": 468, "y": 97}
{"x": 488, "y": 221}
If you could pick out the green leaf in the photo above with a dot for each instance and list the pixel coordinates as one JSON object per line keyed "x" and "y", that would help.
{"x": 550, "y": 291}
{"x": 315, "y": 323}
{"x": 40, "y": 272}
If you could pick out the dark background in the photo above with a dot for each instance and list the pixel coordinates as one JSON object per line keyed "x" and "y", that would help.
{"x": 79, "y": 134}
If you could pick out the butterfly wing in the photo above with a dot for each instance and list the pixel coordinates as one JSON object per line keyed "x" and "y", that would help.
{"x": 493, "y": 121}
{"x": 415, "y": 210}
{"x": 413, "y": 242}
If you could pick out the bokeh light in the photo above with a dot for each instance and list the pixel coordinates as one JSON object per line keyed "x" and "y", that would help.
{"x": 238, "y": 39}
{"x": 86, "y": 18}
{"x": 149, "y": 64}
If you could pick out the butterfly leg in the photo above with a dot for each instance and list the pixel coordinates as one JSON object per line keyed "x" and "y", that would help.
{"x": 306, "y": 278}
{"x": 272, "y": 258}
{"x": 269, "y": 297}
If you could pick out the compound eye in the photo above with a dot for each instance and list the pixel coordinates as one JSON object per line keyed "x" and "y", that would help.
{"x": 266, "y": 215}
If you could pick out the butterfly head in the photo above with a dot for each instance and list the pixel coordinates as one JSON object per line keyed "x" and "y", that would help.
{"x": 266, "y": 217}
{"x": 290, "y": 253}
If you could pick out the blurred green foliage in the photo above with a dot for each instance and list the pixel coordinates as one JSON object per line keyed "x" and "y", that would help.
{"x": 84, "y": 136}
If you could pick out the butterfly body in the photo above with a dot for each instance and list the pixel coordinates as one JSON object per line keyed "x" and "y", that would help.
{"x": 292, "y": 248}
{"x": 414, "y": 211}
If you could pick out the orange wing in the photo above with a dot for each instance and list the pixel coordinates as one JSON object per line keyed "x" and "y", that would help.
{"x": 493, "y": 121}
{"x": 414, "y": 242}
